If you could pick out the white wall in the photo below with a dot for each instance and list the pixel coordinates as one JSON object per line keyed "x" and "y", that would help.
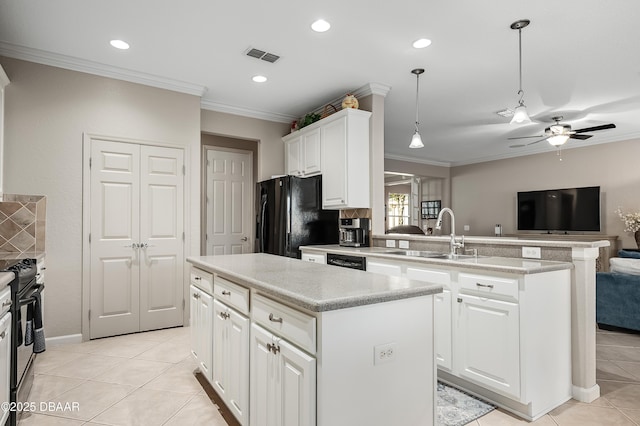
{"x": 267, "y": 133}
{"x": 485, "y": 194}
{"x": 47, "y": 111}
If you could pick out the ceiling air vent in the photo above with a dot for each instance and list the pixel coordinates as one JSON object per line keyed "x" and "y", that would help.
{"x": 261, "y": 54}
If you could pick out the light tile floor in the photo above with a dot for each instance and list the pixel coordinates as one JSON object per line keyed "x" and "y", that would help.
{"x": 147, "y": 379}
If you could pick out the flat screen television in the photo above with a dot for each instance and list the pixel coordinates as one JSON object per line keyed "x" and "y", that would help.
{"x": 563, "y": 210}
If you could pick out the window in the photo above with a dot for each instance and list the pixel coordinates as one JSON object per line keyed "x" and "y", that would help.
{"x": 398, "y": 209}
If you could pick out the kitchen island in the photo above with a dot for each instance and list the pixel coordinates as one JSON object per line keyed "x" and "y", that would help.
{"x": 313, "y": 344}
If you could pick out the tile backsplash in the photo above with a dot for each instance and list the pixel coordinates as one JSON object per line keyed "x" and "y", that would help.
{"x": 23, "y": 221}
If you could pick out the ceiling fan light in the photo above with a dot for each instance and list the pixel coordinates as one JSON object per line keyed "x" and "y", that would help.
{"x": 416, "y": 141}
{"x": 520, "y": 115}
{"x": 557, "y": 140}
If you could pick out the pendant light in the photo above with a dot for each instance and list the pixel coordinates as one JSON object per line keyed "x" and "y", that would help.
{"x": 416, "y": 140}
{"x": 520, "y": 115}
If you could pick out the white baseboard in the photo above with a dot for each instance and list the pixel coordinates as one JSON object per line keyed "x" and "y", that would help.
{"x": 62, "y": 340}
{"x": 584, "y": 394}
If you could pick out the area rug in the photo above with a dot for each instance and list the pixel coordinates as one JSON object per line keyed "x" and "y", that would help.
{"x": 457, "y": 408}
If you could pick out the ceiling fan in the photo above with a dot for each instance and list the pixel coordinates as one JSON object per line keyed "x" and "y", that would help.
{"x": 557, "y": 134}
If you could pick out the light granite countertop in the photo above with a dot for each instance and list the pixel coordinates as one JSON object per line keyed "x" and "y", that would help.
{"x": 485, "y": 263}
{"x": 311, "y": 286}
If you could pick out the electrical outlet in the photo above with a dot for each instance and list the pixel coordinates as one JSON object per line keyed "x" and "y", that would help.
{"x": 403, "y": 244}
{"x": 391, "y": 243}
{"x": 384, "y": 353}
{"x": 467, "y": 228}
{"x": 531, "y": 252}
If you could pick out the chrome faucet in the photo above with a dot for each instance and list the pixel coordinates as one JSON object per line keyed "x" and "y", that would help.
{"x": 453, "y": 244}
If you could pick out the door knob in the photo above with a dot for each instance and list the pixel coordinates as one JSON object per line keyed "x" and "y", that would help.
{"x": 244, "y": 238}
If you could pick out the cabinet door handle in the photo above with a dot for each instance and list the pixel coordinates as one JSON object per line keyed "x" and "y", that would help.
{"x": 459, "y": 299}
{"x": 484, "y": 285}
{"x": 275, "y": 319}
{"x": 196, "y": 296}
{"x": 6, "y": 303}
{"x": 2, "y": 335}
{"x": 226, "y": 293}
{"x": 197, "y": 278}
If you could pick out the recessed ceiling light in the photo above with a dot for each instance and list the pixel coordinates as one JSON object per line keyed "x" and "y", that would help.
{"x": 259, "y": 78}
{"x": 119, "y": 44}
{"x": 320, "y": 26}
{"x": 421, "y": 43}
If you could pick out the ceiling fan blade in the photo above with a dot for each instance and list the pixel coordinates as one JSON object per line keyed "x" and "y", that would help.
{"x": 525, "y": 137}
{"x": 580, "y": 137}
{"x": 593, "y": 129}
{"x": 518, "y": 145}
{"x": 539, "y": 140}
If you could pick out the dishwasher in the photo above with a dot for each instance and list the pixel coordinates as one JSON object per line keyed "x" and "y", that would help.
{"x": 345, "y": 261}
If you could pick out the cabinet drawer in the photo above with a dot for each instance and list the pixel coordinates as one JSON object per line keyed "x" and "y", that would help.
{"x": 295, "y": 326}
{"x": 488, "y": 285}
{"x": 232, "y": 294}
{"x": 202, "y": 279}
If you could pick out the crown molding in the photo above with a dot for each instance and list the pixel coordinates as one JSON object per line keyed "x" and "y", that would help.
{"x": 372, "y": 89}
{"x": 96, "y": 68}
{"x": 245, "y": 112}
{"x": 416, "y": 160}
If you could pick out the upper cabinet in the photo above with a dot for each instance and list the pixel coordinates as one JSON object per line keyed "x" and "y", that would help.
{"x": 337, "y": 147}
{"x": 302, "y": 154}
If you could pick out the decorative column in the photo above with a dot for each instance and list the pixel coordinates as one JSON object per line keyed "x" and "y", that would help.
{"x": 583, "y": 324}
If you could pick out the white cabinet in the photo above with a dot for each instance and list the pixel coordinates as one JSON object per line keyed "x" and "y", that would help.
{"x": 302, "y": 154}
{"x": 338, "y": 147}
{"x": 231, "y": 359}
{"x": 442, "y": 312}
{"x": 315, "y": 258}
{"x": 283, "y": 382}
{"x": 488, "y": 343}
{"x": 386, "y": 268}
{"x": 345, "y": 159}
{"x": 201, "y": 329}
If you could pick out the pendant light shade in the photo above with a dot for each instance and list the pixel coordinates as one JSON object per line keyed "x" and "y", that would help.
{"x": 416, "y": 140}
{"x": 520, "y": 116}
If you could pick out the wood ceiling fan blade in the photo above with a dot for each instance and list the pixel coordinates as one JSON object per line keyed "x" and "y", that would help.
{"x": 580, "y": 137}
{"x": 593, "y": 129}
{"x": 525, "y": 137}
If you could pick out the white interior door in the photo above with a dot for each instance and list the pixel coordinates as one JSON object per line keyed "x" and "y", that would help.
{"x": 137, "y": 252}
{"x": 115, "y": 231}
{"x": 229, "y": 206}
{"x": 161, "y": 237}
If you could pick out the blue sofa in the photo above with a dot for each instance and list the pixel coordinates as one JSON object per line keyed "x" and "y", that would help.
{"x": 618, "y": 300}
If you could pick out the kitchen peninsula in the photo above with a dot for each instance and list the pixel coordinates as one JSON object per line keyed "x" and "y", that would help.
{"x": 503, "y": 324}
{"x": 313, "y": 344}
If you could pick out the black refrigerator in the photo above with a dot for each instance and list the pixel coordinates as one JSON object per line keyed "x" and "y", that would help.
{"x": 289, "y": 214}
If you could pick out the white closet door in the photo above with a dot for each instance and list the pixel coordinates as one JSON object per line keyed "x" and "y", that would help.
{"x": 161, "y": 237}
{"x": 137, "y": 247}
{"x": 115, "y": 227}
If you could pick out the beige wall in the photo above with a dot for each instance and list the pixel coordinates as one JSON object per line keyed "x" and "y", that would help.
{"x": 485, "y": 194}
{"x": 47, "y": 111}
{"x": 267, "y": 133}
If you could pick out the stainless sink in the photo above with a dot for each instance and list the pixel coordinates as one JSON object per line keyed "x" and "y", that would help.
{"x": 432, "y": 254}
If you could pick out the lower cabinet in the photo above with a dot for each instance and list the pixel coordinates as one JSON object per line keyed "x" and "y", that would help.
{"x": 201, "y": 329}
{"x": 315, "y": 258}
{"x": 283, "y": 382}
{"x": 231, "y": 358}
{"x": 442, "y": 312}
{"x": 488, "y": 343}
